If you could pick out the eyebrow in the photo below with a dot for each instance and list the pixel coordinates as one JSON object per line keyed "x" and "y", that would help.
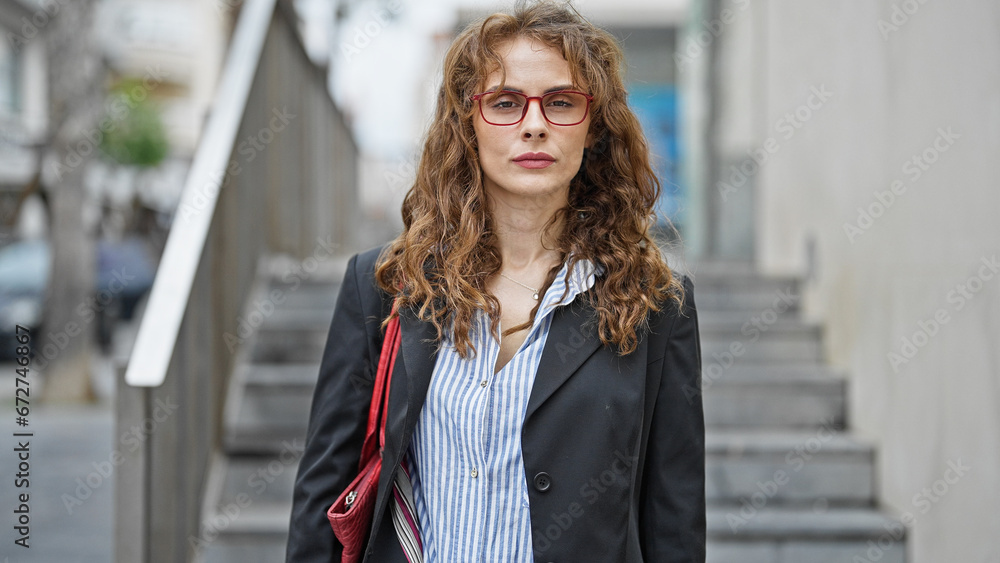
{"x": 495, "y": 87}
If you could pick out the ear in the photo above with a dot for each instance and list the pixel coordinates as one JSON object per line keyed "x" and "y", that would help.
{"x": 589, "y": 142}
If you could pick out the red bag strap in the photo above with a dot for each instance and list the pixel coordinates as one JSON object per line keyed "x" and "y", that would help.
{"x": 380, "y": 393}
{"x": 397, "y": 338}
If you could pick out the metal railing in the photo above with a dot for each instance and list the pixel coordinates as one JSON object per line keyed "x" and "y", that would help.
{"x": 274, "y": 171}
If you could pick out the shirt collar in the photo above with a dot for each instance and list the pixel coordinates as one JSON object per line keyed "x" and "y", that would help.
{"x": 580, "y": 280}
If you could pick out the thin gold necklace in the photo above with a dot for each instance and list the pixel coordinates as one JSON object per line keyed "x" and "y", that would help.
{"x": 528, "y": 287}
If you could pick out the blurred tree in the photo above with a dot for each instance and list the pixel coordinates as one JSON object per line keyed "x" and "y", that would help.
{"x": 76, "y": 74}
{"x": 138, "y": 138}
{"x": 136, "y": 145}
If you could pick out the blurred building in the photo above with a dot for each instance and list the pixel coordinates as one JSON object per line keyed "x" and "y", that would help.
{"x": 174, "y": 48}
{"x": 179, "y": 45}
{"x": 23, "y": 113}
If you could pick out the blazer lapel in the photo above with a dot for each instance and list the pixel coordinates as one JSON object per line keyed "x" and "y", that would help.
{"x": 570, "y": 342}
{"x": 419, "y": 354}
{"x": 412, "y": 371}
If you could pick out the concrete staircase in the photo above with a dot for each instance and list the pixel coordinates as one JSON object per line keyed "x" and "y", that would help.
{"x": 785, "y": 482}
{"x": 249, "y": 489}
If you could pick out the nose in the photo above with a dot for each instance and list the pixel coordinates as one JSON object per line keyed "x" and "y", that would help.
{"x": 534, "y": 123}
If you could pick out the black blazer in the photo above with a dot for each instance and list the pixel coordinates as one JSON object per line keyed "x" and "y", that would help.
{"x": 613, "y": 446}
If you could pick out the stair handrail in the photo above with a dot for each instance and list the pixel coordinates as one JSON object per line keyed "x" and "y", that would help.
{"x": 160, "y": 325}
{"x": 293, "y": 197}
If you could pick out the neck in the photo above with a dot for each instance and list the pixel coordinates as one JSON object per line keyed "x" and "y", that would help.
{"x": 524, "y": 242}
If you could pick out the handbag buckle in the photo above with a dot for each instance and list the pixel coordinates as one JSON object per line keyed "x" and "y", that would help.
{"x": 350, "y": 500}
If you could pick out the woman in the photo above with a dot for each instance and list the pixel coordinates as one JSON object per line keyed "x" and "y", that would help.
{"x": 542, "y": 405}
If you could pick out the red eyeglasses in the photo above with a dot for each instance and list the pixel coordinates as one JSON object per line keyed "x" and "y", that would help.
{"x": 504, "y": 107}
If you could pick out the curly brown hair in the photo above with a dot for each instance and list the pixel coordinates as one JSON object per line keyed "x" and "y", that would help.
{"x": 440, "y": 264}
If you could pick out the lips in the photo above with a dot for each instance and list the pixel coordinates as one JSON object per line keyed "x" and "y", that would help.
{"x": 534, "y": 160}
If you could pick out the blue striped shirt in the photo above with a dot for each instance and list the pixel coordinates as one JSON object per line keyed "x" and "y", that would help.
{"x": 469, "y": 486}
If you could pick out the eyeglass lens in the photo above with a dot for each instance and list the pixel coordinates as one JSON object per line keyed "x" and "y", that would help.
{"x": 507, "y": 108}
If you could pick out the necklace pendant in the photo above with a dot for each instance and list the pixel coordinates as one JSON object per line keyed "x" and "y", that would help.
{"x": 534, "y": 292}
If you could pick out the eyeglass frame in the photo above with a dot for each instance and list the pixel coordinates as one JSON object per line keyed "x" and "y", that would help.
{"x": 527, "y": 102}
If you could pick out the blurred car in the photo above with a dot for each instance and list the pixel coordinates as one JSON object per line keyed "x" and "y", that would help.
{"x": 126, "y": 270}
{"x": 24, "y": 275}
{"x": 123, "y": 276}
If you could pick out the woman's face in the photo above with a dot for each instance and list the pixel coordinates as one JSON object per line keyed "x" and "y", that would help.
{"x": 533, "y": 69}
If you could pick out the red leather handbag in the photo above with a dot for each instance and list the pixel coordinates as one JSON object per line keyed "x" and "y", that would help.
{"x": 351, "y": 514}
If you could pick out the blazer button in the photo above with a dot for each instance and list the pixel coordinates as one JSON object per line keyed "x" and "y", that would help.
{"x": 542, "y": 482}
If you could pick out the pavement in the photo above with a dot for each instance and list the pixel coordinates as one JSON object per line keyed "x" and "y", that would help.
{"x": 71, "y": 470}
{"x": 69, "y": 482}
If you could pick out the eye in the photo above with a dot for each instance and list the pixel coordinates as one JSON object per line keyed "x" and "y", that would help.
{"x": 505, "y": 101}
{"x": 564, "y": 101}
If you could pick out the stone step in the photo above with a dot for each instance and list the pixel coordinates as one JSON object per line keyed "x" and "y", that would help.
{"x": 295, "y": 330}
{"x": 253, "y": 501}
{"x": 730, "y": 343}
{"x": 723, "y": 267}
{"x": 735, "y": 275}
{"x": 712, "y": 294}
{"x": 316, "y": 318}
{"x": 740, "y": 295}
{"x": 799, "y": 535}
{"x": 754, "y": 396}
{"x": 269, "y": 407}
{"x": 289, "y": 271}
{"x": 248, "y": 504}
{"x": 305, "y": 295}
{"x": 267, "y": 480}
{"x": 818, "y": 541}
{"x": 778, "y": 469}
{"x": 739, "y": 277}
{"x": 304, "y": 343}
{"x": 747, "y": 328}
{"x": 785, "y": 468}
{"x": 294, "y": 343}
{"x": 761, "y": 320}
{"x": 277, "y": 397}
{"x": 246, "y": 549}
{"x": 268, "y": 419}
{"x": 280, "y": 375}
{"x": 303, "y": 307}
{"x": 287, "y": 337}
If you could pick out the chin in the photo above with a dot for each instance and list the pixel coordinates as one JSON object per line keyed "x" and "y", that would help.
{"x": 539, "y": 190}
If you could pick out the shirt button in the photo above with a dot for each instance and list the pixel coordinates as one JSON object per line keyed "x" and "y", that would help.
{"x": 474, "y": 473}
{"x": 482, "y": 383}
